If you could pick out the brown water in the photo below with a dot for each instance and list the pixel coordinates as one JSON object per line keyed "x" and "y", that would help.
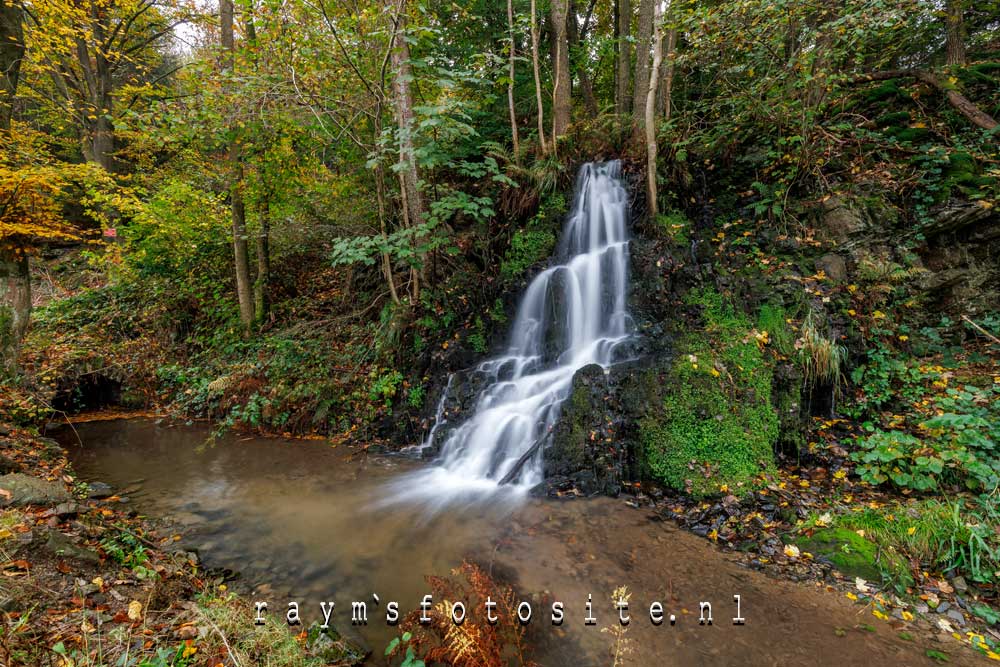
{"x": 305, "y": 521}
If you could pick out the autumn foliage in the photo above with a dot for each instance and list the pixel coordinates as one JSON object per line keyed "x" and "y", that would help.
{"x": 475, "y": 642}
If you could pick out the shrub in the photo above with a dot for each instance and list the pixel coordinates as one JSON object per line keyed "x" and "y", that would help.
{"x": 958, "y": 445}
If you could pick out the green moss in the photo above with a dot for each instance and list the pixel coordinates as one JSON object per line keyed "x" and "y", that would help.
{"x": 536, "y": 241}
{"x": 893, "y": 118}
{"x": 715, "y": 425}
{"x": 773, "y": 319}
{"x": 852, "y": 554}
{"x": 674, "y": 225}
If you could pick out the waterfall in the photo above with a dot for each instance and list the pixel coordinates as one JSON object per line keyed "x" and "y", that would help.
{"x": 572, "y": 314}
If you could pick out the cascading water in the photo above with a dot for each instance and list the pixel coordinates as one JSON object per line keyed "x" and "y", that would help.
{"x": 572, "y": 315}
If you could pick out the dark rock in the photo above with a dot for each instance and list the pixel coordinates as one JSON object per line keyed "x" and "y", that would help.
{"x": 7, "y": 466}
{"x": 960, "y": 584}
{"x": 833, "y": 266}
{"x": 62, "y": 545}
{"x": 28, "y": 490}
{"x": 841, "y": 217}
{"x": 99, "y": 491}
{"x": 943, "y": 607}
{"x": 63, "y": 510}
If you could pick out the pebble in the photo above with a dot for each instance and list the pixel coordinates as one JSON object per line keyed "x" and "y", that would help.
{"x": 957, "y": 616}
{"x": 960, "y": 584}
{"x": 922, "y": 608}
{"x": 943, "y": 607}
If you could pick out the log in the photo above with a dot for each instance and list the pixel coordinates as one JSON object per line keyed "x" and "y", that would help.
{"x": 509, "y": 477}
{"x": 960, "y": 102}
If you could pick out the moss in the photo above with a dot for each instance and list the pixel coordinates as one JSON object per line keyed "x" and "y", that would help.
{"x": 674, "y": 225}
{"x": 893, "y": 118}
{"x": 852, "y": 554}
{"x": 715, "y": 426}
{"x": 536, "y": 241}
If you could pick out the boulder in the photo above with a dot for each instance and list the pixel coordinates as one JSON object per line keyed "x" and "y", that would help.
{"x": 834, "y": 266}
{"x": 99, "y": 491}
{"x": 840, "y": 218}
{"x": 28, "y": 490}
{"x": 61, "y": 545}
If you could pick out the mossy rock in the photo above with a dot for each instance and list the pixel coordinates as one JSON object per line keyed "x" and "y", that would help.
{"x": 715, "y": 426}
{"x": 852, "y": 554}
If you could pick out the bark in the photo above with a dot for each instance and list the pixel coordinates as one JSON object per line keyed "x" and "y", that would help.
{"x": 561, "y": 93}
{"x": 955, "y": 32}
{"x": 11, "y": 54}
{"x": 668, "y": 73}
{"x": 409, "y": 178}
{"x": 586, "y": 86}
{"x": 538, "y": 79}
{"x": 510, "y": 85}
{"x": 624, "y": 63}
{"x": 262, "y": 302}
{"x": 960, "y": 102}
{"x": 15, "y": 305}
{"x": 644, "y": 36}
{"x": 96, "y": 103}
{"x": 654, "y": 77}
{"x": 241, "y": 251}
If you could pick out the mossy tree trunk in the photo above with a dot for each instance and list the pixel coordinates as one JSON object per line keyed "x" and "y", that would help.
{"x": 15, "y": 305}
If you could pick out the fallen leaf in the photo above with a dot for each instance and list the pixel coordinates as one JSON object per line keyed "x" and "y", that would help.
{"x": 791, "y": 551}
{"x": 135, "y": 610}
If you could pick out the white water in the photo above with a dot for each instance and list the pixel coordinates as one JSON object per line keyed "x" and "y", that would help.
{"x": 572, "y": 315}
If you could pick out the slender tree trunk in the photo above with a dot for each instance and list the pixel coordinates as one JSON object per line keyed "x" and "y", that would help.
{"x": 561, "y": 92}
{"x": 654, "y": 77}
{"x": 15, "y": 305}
{"x": 624, "y": 63}
{"x": 955, "y": 40}
{"x": 668, "y": 72}
{"x": 262, "y": 301}
{"x": 11, "y": 54}
{"x": 515, "y": 138}
{"x": 538, "y": 79}
{"x": 409, "y": 178}
{"x": 586, "y": 86}
{"x": 643, "y": 46}
{"x": 241, "y": 251}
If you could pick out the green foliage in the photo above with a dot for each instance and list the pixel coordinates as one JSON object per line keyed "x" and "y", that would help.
{"x": 717, "y": 426}
{"x": 536, "y": 241}
{"x": 773, "y": 320}
{"x": 675, "y": 226}
{"x": 958, "y": 537}
{"x": 853, "y": 555}
{"x": 958, "y": 445}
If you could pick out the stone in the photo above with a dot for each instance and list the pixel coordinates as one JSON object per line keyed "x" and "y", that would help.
{"x": 834, "y": 266}
{"x": 943, "y": 607}
{"x": 956, "y": 616}
{"x": 28, "y": 490}
{"x": 960, "y": 584}
{"x": 99, "y": 491}
{"x": 61, "y": 545}
{"x": 63, "y": 510}
{"x": 840, "y": 218}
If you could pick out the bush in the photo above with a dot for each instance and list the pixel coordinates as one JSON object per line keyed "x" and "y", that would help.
{"x": 959, "y": 445}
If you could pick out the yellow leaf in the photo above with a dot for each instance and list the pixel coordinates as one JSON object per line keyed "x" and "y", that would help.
{"x": 134, "y": 610}
{"x": 791, "y": 551}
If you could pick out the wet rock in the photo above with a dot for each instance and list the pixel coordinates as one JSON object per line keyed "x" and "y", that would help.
{"x": 28, "y": 490}
{"x": 99, "y": 491}
{"x": 943, "y": 607}
{"x": 960, "y": 584}
{"x": 956, "y": 616}
{"x": 61, "y": 545}
{"x": 331, "y": 648}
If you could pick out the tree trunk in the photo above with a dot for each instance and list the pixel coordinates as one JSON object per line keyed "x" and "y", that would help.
{"x": 409, "y": 178}
{"x": 586, "y": 86}
{"x": 241, "y": 252}
{"x": 654, "y": 77}
{"x": 955, "y": 40}
{"x": 538, "y": 79}
{"x": 668, "y": 73}
{"x": 262, "y": 302}
{"x": 11, "y": 54}
{"x": 510, "y": 85}
{"x": 643, "y": 46}
{"x": 561, "y": 99}
{"x": 624, "y": 64}
{"x": 15, "y": 306}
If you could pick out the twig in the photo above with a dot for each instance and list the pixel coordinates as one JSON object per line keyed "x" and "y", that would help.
{"x": 981, "y": 330}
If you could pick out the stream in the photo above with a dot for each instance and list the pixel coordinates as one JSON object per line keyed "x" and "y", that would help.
{"x": 301, "y": 520}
